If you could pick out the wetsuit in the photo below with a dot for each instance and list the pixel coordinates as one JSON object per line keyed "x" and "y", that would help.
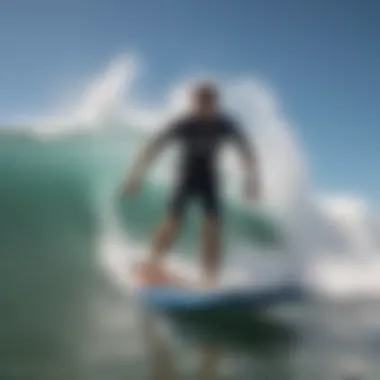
{"x": 200, "y": 141}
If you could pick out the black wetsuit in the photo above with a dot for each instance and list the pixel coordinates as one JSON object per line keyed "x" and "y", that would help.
{"x": 200, "y": 141}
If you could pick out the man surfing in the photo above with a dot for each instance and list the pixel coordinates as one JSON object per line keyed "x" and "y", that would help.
{"x": 200, "y": 134}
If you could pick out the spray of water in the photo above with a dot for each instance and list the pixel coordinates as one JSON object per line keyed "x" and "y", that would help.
{"x": 334, "y": 239}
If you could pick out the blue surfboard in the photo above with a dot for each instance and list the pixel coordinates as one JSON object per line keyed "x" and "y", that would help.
{"x": 171, "y": 299}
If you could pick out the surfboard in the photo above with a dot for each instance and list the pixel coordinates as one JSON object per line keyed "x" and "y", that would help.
{"x": 173, "y": 299}
{"x": 163, "y": 289}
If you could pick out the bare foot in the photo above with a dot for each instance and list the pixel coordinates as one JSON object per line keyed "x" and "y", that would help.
{"x": 209, "y": 283}
{"x": 155, "y": 275}
{"x": 149, "y": 273}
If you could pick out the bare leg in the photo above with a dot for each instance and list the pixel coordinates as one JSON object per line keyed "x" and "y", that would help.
{"x": 152, "y": 270}
{"x": 211, "y": 251}
{"x": 164, "y": 239}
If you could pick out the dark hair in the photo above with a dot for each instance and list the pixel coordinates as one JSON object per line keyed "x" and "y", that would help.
{"x": 206, "y": 90}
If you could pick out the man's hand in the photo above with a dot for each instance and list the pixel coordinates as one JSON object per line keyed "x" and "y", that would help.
{"x": 132, "y": 185}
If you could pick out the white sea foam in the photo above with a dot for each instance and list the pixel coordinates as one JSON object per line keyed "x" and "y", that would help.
{"x": 334, "y": 239}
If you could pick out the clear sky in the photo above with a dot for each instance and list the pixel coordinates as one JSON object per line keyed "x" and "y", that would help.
{"x": 321, "y": 56}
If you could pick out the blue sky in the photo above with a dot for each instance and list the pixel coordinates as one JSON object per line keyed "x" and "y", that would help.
{"x": 322, "y": 58}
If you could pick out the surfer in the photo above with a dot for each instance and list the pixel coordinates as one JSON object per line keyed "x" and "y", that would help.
{"x": 200, "y": 134}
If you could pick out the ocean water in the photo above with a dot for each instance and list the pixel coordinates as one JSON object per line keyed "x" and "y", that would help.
{"x": 67, "y": 238}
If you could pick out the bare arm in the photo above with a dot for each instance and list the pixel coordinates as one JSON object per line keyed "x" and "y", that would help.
{"x": 147, "y": 156}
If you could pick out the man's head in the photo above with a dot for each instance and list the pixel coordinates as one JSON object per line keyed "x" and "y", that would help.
{"x": 205, "y": 99}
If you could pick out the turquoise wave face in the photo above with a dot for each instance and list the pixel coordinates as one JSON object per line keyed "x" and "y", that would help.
{"x": 56, "y": 199}
{"x": 47, "y": 242}
{"x": 60, "y": 188}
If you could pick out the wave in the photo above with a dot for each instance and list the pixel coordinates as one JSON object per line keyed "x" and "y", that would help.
{"x": 78, "y": 157}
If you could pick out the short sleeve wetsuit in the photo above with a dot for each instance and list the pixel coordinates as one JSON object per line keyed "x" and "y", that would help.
{"x": 200, "y": 142}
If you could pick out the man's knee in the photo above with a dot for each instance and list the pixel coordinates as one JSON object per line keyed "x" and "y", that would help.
{"x": 170, "y": 224}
